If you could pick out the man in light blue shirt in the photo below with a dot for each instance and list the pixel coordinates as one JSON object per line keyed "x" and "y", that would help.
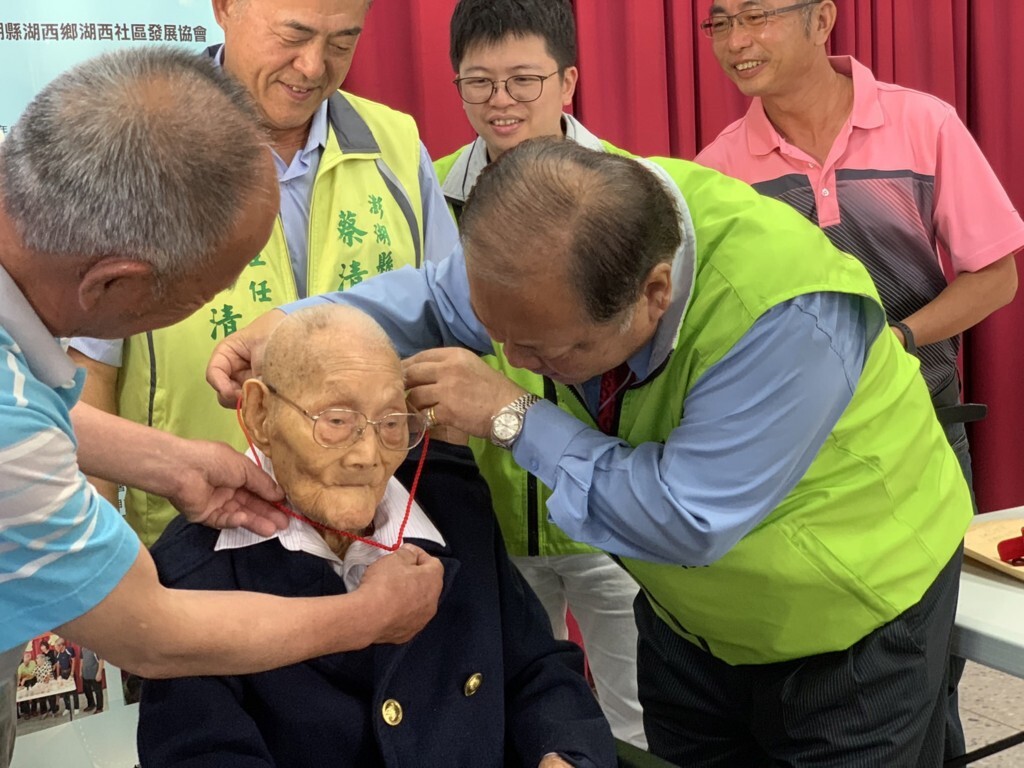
{"x": 731, "y": 420}
{"x": 761, "y": 383}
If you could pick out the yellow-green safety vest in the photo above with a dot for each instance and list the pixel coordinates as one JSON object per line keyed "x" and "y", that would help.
{"x": 365, "y": 219}
{"x": 883, "y": 506}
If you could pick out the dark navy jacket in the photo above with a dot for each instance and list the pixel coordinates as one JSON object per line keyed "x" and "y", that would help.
{"x": 532, "y": 698}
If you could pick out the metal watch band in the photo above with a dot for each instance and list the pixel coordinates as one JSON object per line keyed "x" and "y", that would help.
{"x": 523, "y": 402}
{"x": 519, "y": 406}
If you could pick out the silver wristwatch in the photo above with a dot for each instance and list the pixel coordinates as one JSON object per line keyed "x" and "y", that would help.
{"x": 507, "y": 423}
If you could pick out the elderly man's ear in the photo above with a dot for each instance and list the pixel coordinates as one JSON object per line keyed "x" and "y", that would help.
{"x": 255, "y": 413}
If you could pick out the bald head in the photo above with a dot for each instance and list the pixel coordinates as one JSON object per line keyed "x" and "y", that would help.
{"x": 551, "y": 210}
{"x": 306, "y": 343}
{"x": 335, "y": 366}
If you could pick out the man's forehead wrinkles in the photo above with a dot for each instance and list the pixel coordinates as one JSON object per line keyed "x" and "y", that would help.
{"x": 299, "y": 26}
{"x": 744, "y": 6}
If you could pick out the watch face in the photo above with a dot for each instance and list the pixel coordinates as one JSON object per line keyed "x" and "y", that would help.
{"x": 506, "y": 425}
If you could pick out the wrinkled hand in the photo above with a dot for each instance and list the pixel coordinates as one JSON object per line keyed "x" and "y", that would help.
{"x": 464, "y": 391}
{"x": 403, "y": 589}
{"x": 239, "y": 357}
{"x": 221, "y": 488}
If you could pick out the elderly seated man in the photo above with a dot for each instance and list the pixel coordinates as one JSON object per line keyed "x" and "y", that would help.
{"x": 484, "y": 684}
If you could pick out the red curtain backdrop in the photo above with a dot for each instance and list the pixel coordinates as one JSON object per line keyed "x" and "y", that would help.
{"x": 649, "y": 83}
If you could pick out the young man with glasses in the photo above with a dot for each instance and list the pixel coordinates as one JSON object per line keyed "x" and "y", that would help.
{"x": 887, "y": 173}
{"x": 515, "y": 63}
{"x": 484, "y": 684}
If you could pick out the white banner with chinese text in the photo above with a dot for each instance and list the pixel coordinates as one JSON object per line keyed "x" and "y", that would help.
{"x": 41, "y": 39}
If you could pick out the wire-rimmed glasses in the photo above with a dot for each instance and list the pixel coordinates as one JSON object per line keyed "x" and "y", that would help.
{"x": 718, "y": 26}
{"x": 342, "y": 427}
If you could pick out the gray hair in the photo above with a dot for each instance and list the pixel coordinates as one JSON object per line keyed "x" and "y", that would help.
{"x": 607, "y": 218}
{"x": 147, "y": 153}
{"x": 808, "y": 14}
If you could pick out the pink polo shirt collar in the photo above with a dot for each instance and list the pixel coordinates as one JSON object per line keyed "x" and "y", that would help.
{"x": 763, "y": 139}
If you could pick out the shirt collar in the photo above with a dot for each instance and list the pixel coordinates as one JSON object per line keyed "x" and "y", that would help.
{"x": 471, "y": 162}
{"x": 684, "y": 269}
{"x": 867, "y": 109}
{"x": 300, "y": 536}
{"x": 317, "y": 130}
{"x": 44, "y": 354}
{"x": 763, "y": 139}
{"x": 575, "y": 131}
{"x": 309, "y": 157}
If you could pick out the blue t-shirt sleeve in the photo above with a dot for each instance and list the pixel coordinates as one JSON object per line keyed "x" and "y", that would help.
{"x": 752, "y": 426}
{"x": 63, "y": 548}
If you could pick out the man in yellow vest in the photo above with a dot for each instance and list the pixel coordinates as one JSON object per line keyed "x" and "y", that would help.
{"x": 734, "y": 423}
{"x": 515, "y": 62}
{"x": 358, "y": 198}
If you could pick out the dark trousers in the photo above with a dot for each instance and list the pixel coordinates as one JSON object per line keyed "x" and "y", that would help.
{"x": 30, "y": 707}
{"x": 956, "y": 744}
{"x": 881, "y": 702}
{"x": 69, "y": 696}
{"x": 93, "y": 690}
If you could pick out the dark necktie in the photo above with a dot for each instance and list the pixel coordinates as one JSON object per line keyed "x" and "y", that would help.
{"x": 612, "y": 383}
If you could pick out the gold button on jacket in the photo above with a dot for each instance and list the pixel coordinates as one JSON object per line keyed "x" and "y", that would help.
{"x": 391, "y": 712}
{"x": 473, "y": 683}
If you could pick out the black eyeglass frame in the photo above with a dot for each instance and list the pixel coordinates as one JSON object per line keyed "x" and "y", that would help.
{"x": 707, "y": 26}
{"x": 495, "y": 83}
{"x": 358, "y": 430}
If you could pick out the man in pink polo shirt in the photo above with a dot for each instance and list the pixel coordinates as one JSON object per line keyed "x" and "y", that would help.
{"x": 891, "y": 175}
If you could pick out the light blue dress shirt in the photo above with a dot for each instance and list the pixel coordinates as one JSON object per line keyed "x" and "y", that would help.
{"x": 295, "y": 181}
{"x": 753, "y": 423}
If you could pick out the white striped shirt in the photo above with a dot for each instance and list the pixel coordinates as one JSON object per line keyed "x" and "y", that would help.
{"x": 62, "y": 547}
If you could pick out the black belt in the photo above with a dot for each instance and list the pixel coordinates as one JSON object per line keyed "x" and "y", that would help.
{"x": 950, "y": 410}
